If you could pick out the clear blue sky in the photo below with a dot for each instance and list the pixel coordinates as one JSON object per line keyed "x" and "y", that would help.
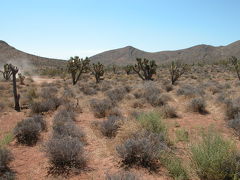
{"x": 63, "y": 28}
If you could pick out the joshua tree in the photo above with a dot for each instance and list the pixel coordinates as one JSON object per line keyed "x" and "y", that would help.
{"x": 128, "y": 69}
{"x": 76, "y": 67}
{"x": 21, "y": 78}
{"x": 145, "y": 68}
{"x": 14, "y": 71}
{"x": 177, "y": 69}
{"x": 6, "y": 72}
{"x": 98, "y": 71}
{"x": 236, "y": 64}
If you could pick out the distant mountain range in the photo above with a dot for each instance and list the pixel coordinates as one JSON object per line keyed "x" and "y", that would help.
{"x": 128, "y": 55}
{"x": 9, "y": 54}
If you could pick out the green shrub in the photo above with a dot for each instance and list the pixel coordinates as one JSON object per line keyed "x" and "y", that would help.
{"x": 174, "y": 166}
{"x": 152, "y": 122}
{"x": 182, "y": 135}
{"x": 214, "y": 158}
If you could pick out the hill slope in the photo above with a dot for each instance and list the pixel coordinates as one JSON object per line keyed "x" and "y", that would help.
{"x": 128, "y": 55}
{"x": 9, "y": 54}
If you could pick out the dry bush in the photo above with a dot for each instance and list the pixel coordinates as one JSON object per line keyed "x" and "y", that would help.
{"x": 235, "y": 123}
{"x": 48, "y": 92}
{"x": 101, "y": 107}
{"x": 232, "y": 108}
{"x": 5, "y": 158}
{"x": 122, "y": 176}
{"x": 89, "y": 89}
{"x": 28, "y": 130}
{"x": 190, "y": 91}
{"x": 110, "y": 126}
{"x": 2, "y": 106}
{"x": 65, "y": 154}
{"x": 46, "y": 105}
{"x": 169, "y": 112}
{"x": 126, "y": 130}
{"x": 67, "y": 129}
{"x": 198, "y": 105}
{"x": 142, "y": 150}
{"x": 116, "y": 95}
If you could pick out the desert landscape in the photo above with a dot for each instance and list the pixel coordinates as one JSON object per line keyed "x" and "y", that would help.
{"x": 79, "y": 119}
{"x": 119, "y": 90}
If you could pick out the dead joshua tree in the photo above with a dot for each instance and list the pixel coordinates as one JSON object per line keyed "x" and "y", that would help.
{"x": 14, "y": 71}
{"x": 236, "y": 64}
{"x": 98, "y": 71}
{"x": 76, "y": 67}
{"x": 145, "y": 68}
{"x": 6, "y": 72}
{"x": 177, "y": 69}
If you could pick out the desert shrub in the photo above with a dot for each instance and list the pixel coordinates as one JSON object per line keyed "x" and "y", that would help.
{"x": 232, "y": 108}
{"x": 122, "y": 176}
{"x": 28, "y": 130}
{"x": 48, "y": 92}
{"x": 2, "y": 106}
{"x": 142, "y": 150}
{"x": 65, "y": 154}
{"x": 235, "y": 123}
{"x": 31, "y": 94}
{"x": 160, "y": 100}
{"x": 116, "y": 95}
{"x": 169, "y": 112}
{"x": 45, "y": 105}
{"x": 110, "y": 126}
{"x": 101, "y": 107}
{"x": 174, "y": 166}
{"x": 67, "y": 129}
{"x": 63, "y": 116}
{"x": 5, "y": 158}
{"x": 198, "y": 105}
{"x": 153, "y": 122}
{"x": 182, "y": 135}
{"x": 214, "y": 158}
{"x": 8, "y": 175}
{"x": 168, "y": 87}
{"x": 190, "y": 91}
{"x": 88, "y": 90}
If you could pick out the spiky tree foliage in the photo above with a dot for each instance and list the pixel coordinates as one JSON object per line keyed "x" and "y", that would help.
{"x": 76, "y": 67}
{"x": 236, "y": 64}
{"x": 128, "y": 69}
{"x": 98, "y": 71}
{"x": 6, "y": 72}
{"x": 177, "y": 69}
{"x": 21, "y": 78}
{"x": 14, "y": 71}
{"x": 145, "y": 68}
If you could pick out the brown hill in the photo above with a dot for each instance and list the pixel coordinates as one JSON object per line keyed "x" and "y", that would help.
{"x": 9, "y": 54}
{"x": 128, "y": 55}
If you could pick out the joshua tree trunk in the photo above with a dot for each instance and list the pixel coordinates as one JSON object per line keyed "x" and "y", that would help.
{"x": 16, "y": 95}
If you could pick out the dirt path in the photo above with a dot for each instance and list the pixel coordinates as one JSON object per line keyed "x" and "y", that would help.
{"x": 39, "y": 80}
{"x": 101, "y": 160}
